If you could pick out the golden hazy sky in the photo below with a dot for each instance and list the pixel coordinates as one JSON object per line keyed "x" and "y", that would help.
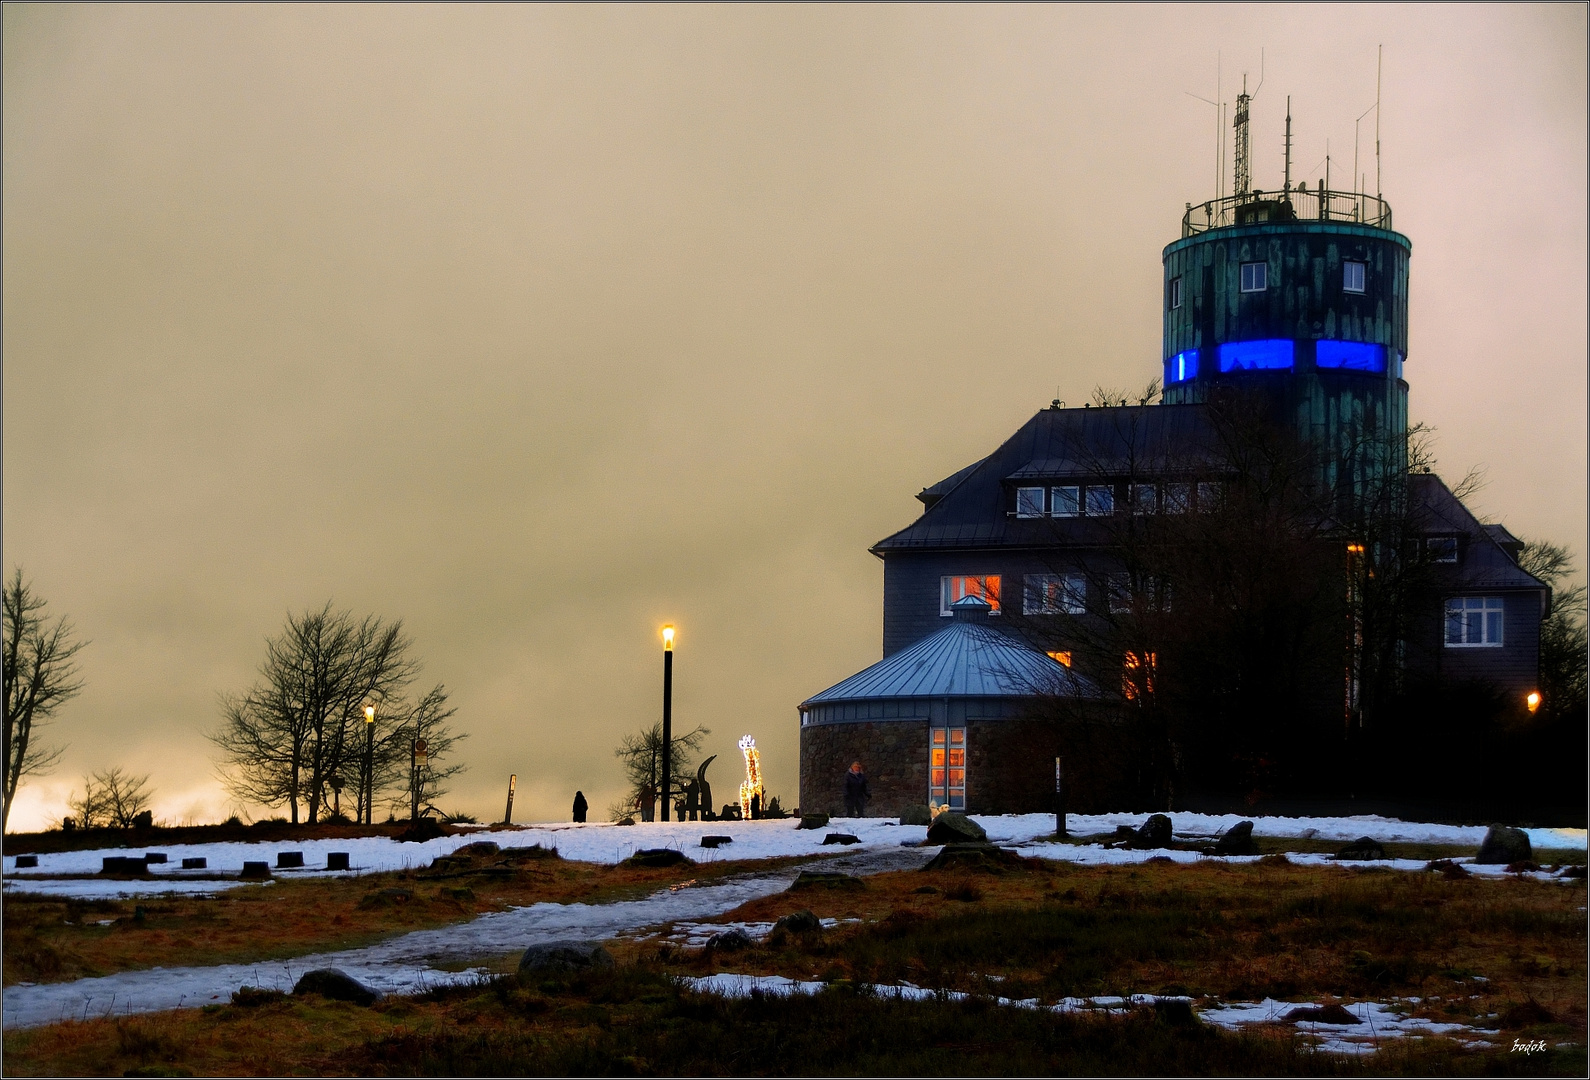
{"x": 536, "y": 327}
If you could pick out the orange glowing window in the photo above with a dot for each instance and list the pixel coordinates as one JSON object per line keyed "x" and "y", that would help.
{"x": 947, "y": 768}
{"x": 1137, "y": 674}
{"x": 983, "y": 586}
{"x": 1063, "y": 657}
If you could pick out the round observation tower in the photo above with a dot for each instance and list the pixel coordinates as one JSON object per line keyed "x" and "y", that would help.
{"x": 1301, "y": 295}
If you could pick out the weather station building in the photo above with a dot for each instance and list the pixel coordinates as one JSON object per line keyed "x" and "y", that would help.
{"x": 1298, "y": 298}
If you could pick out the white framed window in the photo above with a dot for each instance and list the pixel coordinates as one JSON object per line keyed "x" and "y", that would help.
{"x": 1029, "y": 502}
{"x": 1175, "y": 293}
{"x": 947, "y": 768}
{"x": 1209, "y": 495}
{"x": 1255, "y": 277}
{"x": 1145, "y": 499}
{"x": 1054, "y": 594}
{"x": 983, "y": 586}
{"x": 1473, "y": 622}
{"x": 1065, "y": 501}
{"x": 1442, "y": 548}
{"x": 1101, "y": 500}
{"x": 1120, "y": 593}
{"x": 1352, "y": 277}
{"x": 1178, "y": 498}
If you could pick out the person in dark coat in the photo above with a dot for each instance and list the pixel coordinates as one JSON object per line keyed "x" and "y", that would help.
{"x": 856, "y": 793}
{"x": 580, "y": 806}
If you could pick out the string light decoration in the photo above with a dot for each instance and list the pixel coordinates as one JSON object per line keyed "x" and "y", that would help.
{"x": 752, "y": 787}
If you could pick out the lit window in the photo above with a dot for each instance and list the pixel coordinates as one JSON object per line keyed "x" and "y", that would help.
{"x": 1351, "y": 355}
{"x": 1473, "y": 621}
{"x": 1137, "y": 674}
{"x": 1175, "y": 293}
{"x": 1053, "y": 594}
{"x": 1065, "y": 501}
{"x": 1255, "y": 276}
{"x": 1120, "y": 592}
{"x": 1267, "y": 354}
{"x": 1101, "y": 499}
{"x": 983, "y": 586}
{"x": 1029, "y": 502}
{"x": 1352, "y": 277}
{"x": 1144, "y": 499}
{"x": 1063, "y": 658}
{"x": 1181, "y": 367}
{"x": 947, "y": 768}
{"x": 1178, "y": 498}
{"x": 1209, "y": 495}
{"x": 1442, "y": 548}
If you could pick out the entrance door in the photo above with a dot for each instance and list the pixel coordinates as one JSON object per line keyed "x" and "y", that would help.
{"x": 947, "y": 768}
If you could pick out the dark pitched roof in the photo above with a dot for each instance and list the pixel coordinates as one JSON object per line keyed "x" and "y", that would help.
{"x": 967, "y": 509}
{"x": 1484, "y": 562}
{"x": 965, "y": 659}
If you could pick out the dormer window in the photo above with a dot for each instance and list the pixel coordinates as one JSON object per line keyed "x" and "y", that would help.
{"x": 1255, "y": 277}
{"x": 1065, "y": 501}
{"x": 1144, "y": 499}
{"x": 1353, "y": 277}
{"x": 1029, "y": 502}
{"x": 1101, "y": 500}
{"x": 1442, "y": 548}
{"x": 1178, "y": 498}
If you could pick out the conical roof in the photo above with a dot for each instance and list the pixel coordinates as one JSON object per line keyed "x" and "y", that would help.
{"x": 965, "y": 659}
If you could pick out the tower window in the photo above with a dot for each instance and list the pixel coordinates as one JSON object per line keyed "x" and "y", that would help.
{"x": 1473, "y": 621}
{"x": 1064, "y": 502}
{"x": 1352, "y": 277}
{"x": 1175, "y": 293}
{"x": 1255, "y": 277}
{"x": 1029, "y": 502}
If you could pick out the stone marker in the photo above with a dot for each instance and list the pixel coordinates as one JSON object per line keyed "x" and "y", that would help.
{"x": 916, "y": 815}
{"x": 952, "y": 828}
{"x": 841, "y": 838}
{"x": 716, "y": 841}
{"x": 1503, "y": 845}
{"x": 123, "y": 864}
{"x": 1362, "y": 849}
{"x": 1153, "y": 833}
{"x": 27, "y": 862}
{"x": 1237, "y": 840}
{"x": 813, "y": 821}
{"x": 197, "y": 863}
{"x": 154, "y": 856}
{"x": 565, "y": 956}
{"x": 337, "y": 860}
{"x": 337, "y": 985}
{"x": 255, "y": 870}
{"x": 289, "y": 860}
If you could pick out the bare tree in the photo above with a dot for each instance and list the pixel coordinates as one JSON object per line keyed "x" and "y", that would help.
{"x": 425, "y": 719}
{"x": 302, "y": 724}
{"x": 641, "y": 754}
{"x": 1563, "y": 681}
{"x": 40, "y": 677}
{"x": 111, "y": 797}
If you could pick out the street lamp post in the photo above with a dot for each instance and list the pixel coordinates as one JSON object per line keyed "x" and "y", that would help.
{"x": 668, "y": 716}
{"x": 416, "y": 763}
{"x": 369, "y": 763}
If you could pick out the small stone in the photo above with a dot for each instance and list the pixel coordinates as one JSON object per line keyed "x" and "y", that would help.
{"x": 154, "y": 856}
{"x": 565, "y": 956}
{"x": 731, "y": 940}
{"x": 1447, "y": 869}
{"x": 1322, "y": 1014}
{"x": 654, "y": 858}
{"x": 841, "y": 838}
{"x": 799, "y": 922}
{"x": 198, "y": 862}
{"x": 1574, "y": 871}
{"x": 336, "y": 860}
{"x": 289, "y": 860}
{"x": 256, "y": 870}
{"x": 1503, "y": 845}
{"x": 480, "y": 849}
{"x": 337, "y": 985}
{"x": 716, "y": 841}
{"x": 1237, "y": 840}
{"x": 1363, "y": 849}
{"x": 1153, "y": 833}
{"x": 27, "y": 862}
{"x": 952, "y": 828}
{"x": 123, "y": 864}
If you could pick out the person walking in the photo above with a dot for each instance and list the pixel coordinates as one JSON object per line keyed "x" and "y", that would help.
{"x": 856, "y": 793}
{"x": 580, "y": 807}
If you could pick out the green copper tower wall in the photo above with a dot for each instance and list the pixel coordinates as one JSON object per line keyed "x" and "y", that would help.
{"x": 1312, "y": 313}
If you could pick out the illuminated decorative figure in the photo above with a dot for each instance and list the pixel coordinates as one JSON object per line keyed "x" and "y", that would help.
{"x": 752, "y": 787}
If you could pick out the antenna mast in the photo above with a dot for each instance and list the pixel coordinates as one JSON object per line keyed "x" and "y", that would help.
{"x": 1286, "y": 183}
{"x": 1380, "y": 54}
{"x": 1243, "y": 178}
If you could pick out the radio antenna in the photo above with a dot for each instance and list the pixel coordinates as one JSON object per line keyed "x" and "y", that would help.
{"x": 1242, "y": 178}
{"x": 1286, "y": 182}
{"x": 1380, "y": 56}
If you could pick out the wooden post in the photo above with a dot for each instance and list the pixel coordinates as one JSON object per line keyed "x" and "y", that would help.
{"x": 507, "y": 815}
{"x": 1059, "y": 798}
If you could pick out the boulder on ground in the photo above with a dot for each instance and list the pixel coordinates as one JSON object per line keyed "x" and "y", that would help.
{"x": 813, "y": 821}
{"x": 422, "y": 830}
{"x": 1447, "y": 869}
{"x": 799, "y": 922}
{"x": 480, "y": 849}
{"x": 1153, "y": 833}
{"x": 916, "y": 815}
{"x": 658, "y": 857}
{"x": 565, "y": 956}
{"x": 1323, "y": 1014}
{"x": 1237, "y": 840}
{"x": 716, "y": 841}
{"x": 841, "y": 838}
{"x": 1362, "y": 849}
{"x": 337, "y": 985}
{"x": 989, "y": 858}
{"x": 817, "y": 879}
{"x": 952, "y": 828}
{"x": 1503, "y": 845}
{"x": 731, "y": 940}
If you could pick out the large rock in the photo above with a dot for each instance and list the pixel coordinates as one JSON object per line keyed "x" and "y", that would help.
{"x": 566, "y": 956}
{"x": 952, "y": 828}
{"x": 731, "y": 940}
{"x": 337, "y": 985}
{"x": 1237, "y": 840}
{"x": 1503, "y": 845}
{"x": 916, "y": 815}
{"x": 1363, "y": 849}
{"x": 989, "y": 858}
{"x": 1153, "y": 833}
{"x": 799, "y": 922}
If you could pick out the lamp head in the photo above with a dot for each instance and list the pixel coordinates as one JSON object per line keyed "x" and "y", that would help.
{"x": 668, "y": 639}
{"x": 1533, "y": 700}
{"x": 369, "y": 713}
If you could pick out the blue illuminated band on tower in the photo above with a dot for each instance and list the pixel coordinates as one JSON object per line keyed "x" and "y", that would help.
{"x": 1269, "y": 354}
{"x": 1279, "y": 354}
{"x": 1350, "y": 355}
{"x": 1181, "y": 367}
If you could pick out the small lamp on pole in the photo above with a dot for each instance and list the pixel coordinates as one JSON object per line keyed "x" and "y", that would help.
{"x": 369, "y": 762}
{"x": 668, "y": 716}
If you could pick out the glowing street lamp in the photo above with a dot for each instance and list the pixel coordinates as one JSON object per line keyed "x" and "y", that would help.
{"x": 369, "y": 762}
{"x": 668, "y": 716}
{"x": 1533, "y": 700}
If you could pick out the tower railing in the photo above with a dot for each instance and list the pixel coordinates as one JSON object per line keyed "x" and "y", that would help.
{"x": 1300, "y": 204}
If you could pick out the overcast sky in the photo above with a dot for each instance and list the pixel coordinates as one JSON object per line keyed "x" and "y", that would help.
{"x": 537, "y": 327}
